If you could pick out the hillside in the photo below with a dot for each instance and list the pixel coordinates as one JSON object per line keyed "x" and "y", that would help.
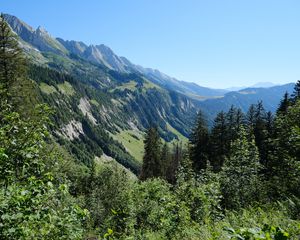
{"x": 104, "y": 103}
{"x": 95, "y": 147}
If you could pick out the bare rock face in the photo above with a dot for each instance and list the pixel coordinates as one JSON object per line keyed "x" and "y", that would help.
{"x": 38, "y": 38}
{"x": 19, "y": 27}
{"x": 75, "y": 47}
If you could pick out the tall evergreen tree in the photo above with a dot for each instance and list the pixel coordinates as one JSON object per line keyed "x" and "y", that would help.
{"x": 165, "y": 159}
{"x": 284, "y": 164}
{"x": 153, "y": 165}
{"x": 218, "y": 141}
{"x": 234, "y": 120}
{"x": 259, "y": 130}
{"x": 250, "y": 117}
{"x": 199, "y": 148}
{"x": 296, "y": 93}
{"x": 284, "y": 104}
{"x": 175, "y": 160}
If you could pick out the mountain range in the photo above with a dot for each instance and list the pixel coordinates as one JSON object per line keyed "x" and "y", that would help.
{"x": 104, "y": 102}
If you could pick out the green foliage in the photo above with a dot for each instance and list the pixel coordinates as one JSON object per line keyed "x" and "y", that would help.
{"x": 107, "y": 198}
{"x": 36, "y": 209}
{"x": 267, "y": 232}
{"x": 285, "y": 163}
{"x": 200, "y": 193}
{"x": 12, "y": 61}
{"x": 240, "y": 179}
{"x": 32, "y": 206}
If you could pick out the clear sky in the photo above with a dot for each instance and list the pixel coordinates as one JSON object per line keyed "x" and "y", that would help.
{"x": 215, "y": 43}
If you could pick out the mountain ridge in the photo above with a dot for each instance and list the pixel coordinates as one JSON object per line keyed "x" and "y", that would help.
{"x": 104, "y": 102}
{"x": 102, "y": 54}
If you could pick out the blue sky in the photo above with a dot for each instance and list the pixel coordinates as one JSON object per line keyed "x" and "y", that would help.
{"x": 215, "y": 43}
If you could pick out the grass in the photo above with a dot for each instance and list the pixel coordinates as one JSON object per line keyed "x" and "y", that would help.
{"x": 94, "y": 102}
{"x": 202, "y": 98}
{"x": 66, "y": 88}
{"x": 129, "y": 85}
{"x": 106, "y": 161}
{"x": 133, "y": 142}
{"x": 47, "y": 89}
{"x": 148, "y": 85}
{"x": 181, "y": 138}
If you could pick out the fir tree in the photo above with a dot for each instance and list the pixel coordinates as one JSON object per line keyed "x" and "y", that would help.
{"x": 250, "y": 117}
{"x": 175, "y": 160}
{"x": 296, "y": 93}
{"x": 234, "y": 120}
{"x": 284, "y": 163}
{"x": 152, "y": 162}
{"x": 199, "y": 139}
{"x": 259, "y": 131}
{"x": 165, "y": 159}
{"x": 284, "y": 104}
{"x": 218, "y": 141}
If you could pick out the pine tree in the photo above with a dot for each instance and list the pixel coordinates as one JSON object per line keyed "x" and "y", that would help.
{"x": 152, "y": 162}
{"x": 199, "y": 151}
{"x": 284, "y": 163}
{"x": 259, "y": 131}
{"x": 175, "y": 160}
{"x": 284, "y": 104}
{"x": 296, "y": 93}
{"x": 250, "y": 117}
{"x": 240, "y": 177}
{"x": 165, "y": 159}
{"x": 218, "y": 141}
{"x": 234, "y": 120}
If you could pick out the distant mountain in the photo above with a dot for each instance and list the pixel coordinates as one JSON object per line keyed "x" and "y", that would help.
{"x": 263, "y": 85}
{"x": 256, "y": 85}
{"x": 245, "y": 97}
{"x": 234, "y": 89}
{"x": 104, "y": 102}
{"x": 187, "y": 88}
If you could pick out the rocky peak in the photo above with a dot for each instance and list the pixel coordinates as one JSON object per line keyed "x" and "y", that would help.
{"x": 38, "y": 38}
{"x": 19, "y": 27}
{"x": 42, "y": 31}
{"x": 75, "y": 47}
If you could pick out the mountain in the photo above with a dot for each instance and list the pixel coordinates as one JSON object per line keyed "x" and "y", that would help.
{"x": 245, "y": 97}
{"x": 187, "y": 88}
{"x": 103, "y": 103}
{"x": 263, "y": 85}
{"x": 256, "y": 85}
{"x": 101, "y": 54}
